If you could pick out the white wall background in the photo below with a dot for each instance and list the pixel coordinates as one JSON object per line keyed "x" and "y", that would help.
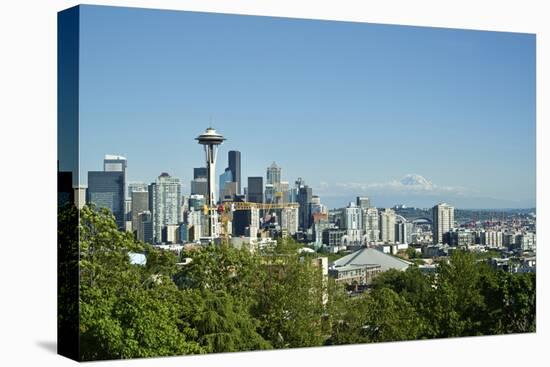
{"x": 28, "y": 180}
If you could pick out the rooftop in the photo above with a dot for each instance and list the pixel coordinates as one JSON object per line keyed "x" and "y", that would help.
{"x": 114, "y": 157}
{"x": 371, "y": 256}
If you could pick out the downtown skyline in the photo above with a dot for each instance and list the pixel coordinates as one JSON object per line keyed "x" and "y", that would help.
{"x": 404, "y": 115}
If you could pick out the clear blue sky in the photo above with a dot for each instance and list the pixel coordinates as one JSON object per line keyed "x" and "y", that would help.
{"x": 350, "y": 107}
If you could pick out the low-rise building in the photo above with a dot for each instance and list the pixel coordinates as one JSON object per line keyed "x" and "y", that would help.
{"x": 355, "y": 274}
{"x": 361, "y": 266}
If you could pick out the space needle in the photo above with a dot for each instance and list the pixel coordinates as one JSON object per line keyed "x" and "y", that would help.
{"x": 211, "y": 139}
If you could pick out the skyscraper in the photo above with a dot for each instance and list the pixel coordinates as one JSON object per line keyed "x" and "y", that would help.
{"x": 371, "y": 224}
{"x": 106, "y": 189}
{"x": 116, "y": 163}
{"x": 352, "y": 217}
{"x": 387, "y": 225}
{"x": 229, "y": 191}
{"x": 363, "y": 202}
{"x": 285, "y": 193}
{"x": 166, "y": 204}
{"x": 273, "y": 189}
{"x": 196, "y": 202}
{"x": 199, "y": 183}
{"x": 403, "y": 230}
{"x": 225, "y": 178}
{"x": 140, "y": 204}
{"x": 246, "y": 222}
{"x": 304, "y": 199}
{"x": 269, "y": 193}
{"x": 443, "y": 219}
{"x": 144, "y": 227}
{"x": 256, "y": 189}
{"x": 234, "y": 158}
{"x": 273, "y": 174}
{"x": 289, "y": 220}
{"x": 195, "y": 220}
{"x": 135, "y": 186}
{"x": 353, "y": 223}
{"x": 199, "y": 172}
{"x": 293, "y": 193}
{"x": 199, "y": 186}
{"x": 315, "y": 206}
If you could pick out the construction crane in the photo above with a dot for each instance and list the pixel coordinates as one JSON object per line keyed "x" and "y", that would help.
{"x": 262, "y": 206}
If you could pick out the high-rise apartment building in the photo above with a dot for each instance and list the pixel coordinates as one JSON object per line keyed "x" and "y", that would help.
{"x": 371, "y": 224}
{"x": 491, "y": 238}
{"x": 443, "y": 218}
{"x": 166, "y": 196}
{"x": 353, "y": 223}
{"x": 403, "y": 230}
{"x": 289, "y": 220}
{"x": 353, "y": 217}
{"x": 387, "y": 225}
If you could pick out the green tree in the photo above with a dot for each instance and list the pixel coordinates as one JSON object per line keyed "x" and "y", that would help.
{"x": 231, "y": 300}
{"x": 126, "y": 310}
{"x": 290, "y": 301}
{"x": 511, "y": 302}
{"x": 222, "y": 322}
{"x": 416, "y": 288}
{"x": 234, "y": 271}
{"x": 379, "y": 316}
{"x": 458, "y": 303}
{"x": 281, "y": 290}
{"x": 520, "y": 303}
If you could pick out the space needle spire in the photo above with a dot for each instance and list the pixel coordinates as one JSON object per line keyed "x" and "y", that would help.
{"x": 210, "y": 139}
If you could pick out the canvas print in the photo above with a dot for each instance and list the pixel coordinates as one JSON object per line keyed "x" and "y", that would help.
{"x": 232, "y": 183}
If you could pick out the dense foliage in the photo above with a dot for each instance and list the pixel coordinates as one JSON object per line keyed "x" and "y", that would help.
{"x": 230, "y": 300}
